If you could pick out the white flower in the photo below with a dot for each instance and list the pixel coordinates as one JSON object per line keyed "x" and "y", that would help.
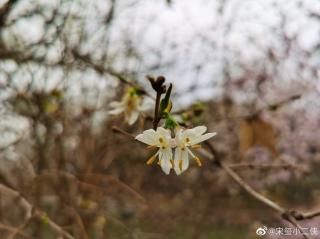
{"x": 130, "y": 106}
{"x": 185, "y": 139}
{"x": 162, "y": 140}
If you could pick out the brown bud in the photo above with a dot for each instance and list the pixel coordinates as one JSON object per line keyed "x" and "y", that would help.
{"x": 160, "y": 80}
{"x": 157, "y": 84}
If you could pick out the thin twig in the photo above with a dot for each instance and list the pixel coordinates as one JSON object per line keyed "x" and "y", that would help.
{"x": 32, "y": 212}
{"x": 285, "y": 214}
{"x": 261, "y": 166}
{"x": 251, "y": 191}
{"x": 294, "y": 222}
{"x": 118, "y": 130}
{"x": 14, "y": 231}
{"x": 18, "y": 230}
{"x": 310, "y": 215}
{"x": 303, "y": 216}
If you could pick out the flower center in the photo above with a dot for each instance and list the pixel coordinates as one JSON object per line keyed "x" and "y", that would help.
{"x": 131, "y": 104}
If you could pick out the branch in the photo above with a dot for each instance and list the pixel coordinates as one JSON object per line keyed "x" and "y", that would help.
{"x": 5, "y": 10}
{"x": 303, "y": 216}
{"x": 14, "y": 231}
{"x": 118, "y": 130}
{"x": 156, "y": 111}
{"x": 264, "y": 166}
{"x": 310, "y": 215}
{"x": 100, "y": 68}
{"x": 250, "y": 190}
{"x": 294, "y": 222}
{"x": 35, "y": 213}
{"x": 284, "y": 213}
{"x": 159, "y": 87}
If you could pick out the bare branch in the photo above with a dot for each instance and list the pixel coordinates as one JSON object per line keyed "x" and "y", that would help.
{"x": 5, "y": 10}
{"x": 35, "y": 213}
{"x": 244, "y": 166}
{"x": 14, "y": 231}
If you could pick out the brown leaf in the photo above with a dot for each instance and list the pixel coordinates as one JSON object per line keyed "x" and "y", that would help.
{"x": 256, "y": 132}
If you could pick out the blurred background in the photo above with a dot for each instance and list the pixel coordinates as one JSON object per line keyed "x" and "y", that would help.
{"x": 249, "y": 70}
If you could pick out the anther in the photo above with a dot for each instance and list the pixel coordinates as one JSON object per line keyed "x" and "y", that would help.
{"x": 198, "y": 161}
{"x": 180, "y": 165}
{"x": 196, "y": 146}
{"x": 151, "y": 160}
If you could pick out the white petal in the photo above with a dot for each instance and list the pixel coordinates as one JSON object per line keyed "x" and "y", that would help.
{"x": 181, "y": 161}
{"x": 165, "y": 163}
{"x": 163, "y": 131}
{"x": 148, "y": 137}
{"x": 150, "y": 132}
{"x": 132, "y": 117}
{"x": 116, "y": 111}
{"x": 165, "y": 134}
{"x": 185, "y": 160}
{"x": 199, "y": 130}
{"x": 177, "y": 157}
{"x": 178, "y": 136}
{"x": 202, "y": 138}
{"x": 115, "y": 104}
{"x": 188, "y": 133}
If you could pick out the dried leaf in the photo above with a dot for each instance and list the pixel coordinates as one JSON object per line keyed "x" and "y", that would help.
{"x": 256, "y": 132}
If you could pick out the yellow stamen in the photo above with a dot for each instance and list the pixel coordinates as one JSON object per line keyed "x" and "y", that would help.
{"x": 198, "y": 161}
{"x": 196, "y": 146}
{"x": 180, "y": 165}
{"x": 151, "y": 160}
{"x": 172, "y": 163}
{"x": 151, "y": 147}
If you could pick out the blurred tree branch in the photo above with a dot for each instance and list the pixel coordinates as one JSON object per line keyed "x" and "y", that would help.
{"x": 5, "y": 11}
{"x": 284, "y": 213}
{"x": 32, "y": 212}
{"x": 14, "y": 231}
{"x": 285, "y": 166}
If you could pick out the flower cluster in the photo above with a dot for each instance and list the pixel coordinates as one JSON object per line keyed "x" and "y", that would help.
{"x": 182, "y": 143}
{"x": 131, "y": 105}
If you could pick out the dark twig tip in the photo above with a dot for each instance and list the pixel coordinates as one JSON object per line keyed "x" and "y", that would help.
{"x": 161, "y": 79}
{"x": 158, "y": 84}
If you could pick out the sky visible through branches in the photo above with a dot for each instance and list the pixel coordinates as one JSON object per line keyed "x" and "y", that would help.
{"x": 81, "y": 82}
